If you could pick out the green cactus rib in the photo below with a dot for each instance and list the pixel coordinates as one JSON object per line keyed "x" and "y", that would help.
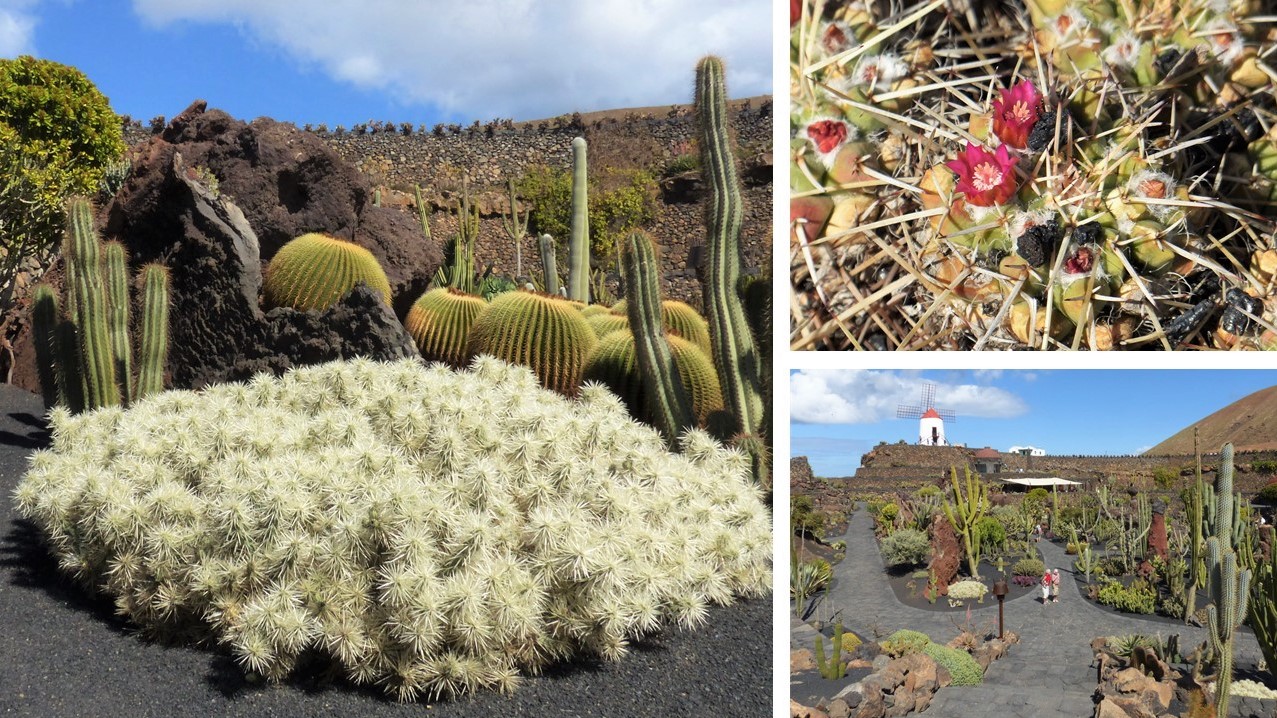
{"x": 516, "y": 228}
{"x": 542, "y": 332}
{"x": 314, "y": 271}
{"x": 423, "y": 214}
{"x": 549, "y": 264}
{"x": 733, "y": 348}
{"x": 1229, "y": 586}
{"x": 579, "y": 238}
{"x": 679, "y": 318}
{"x": 440, "y": 321}
{"x": 605, "y": 324}
{"x": 44, "y": 325}
{"x": 666, "y": 401}
{"x": 1263, "y": 608}
{"x": 97, "y": 363}
{"x": 614, "y": 364}
{"x": 117, "y": 296}
{"x": 155, "y": 326}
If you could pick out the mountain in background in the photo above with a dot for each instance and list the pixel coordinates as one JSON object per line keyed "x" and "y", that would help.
{"x": 1250, "y": 423}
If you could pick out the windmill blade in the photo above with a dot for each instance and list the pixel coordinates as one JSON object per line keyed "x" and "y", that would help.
{"x": 905, "y": 411}
{"x": 947, "y": 414}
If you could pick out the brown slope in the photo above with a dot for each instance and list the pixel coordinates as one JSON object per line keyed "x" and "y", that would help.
{"x": 1250, "y": 423}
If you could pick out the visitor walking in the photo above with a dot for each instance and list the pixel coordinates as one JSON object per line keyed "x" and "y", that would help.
{"x": 1047, "y": 579}
{"x": 1055, "y": 586}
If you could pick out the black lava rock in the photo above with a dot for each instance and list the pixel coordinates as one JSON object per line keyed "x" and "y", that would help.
{"x": 1036, "y": 243}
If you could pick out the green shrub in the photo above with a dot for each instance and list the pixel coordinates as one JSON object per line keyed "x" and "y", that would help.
{"x": 961, "y": 666}
{"x": 1268, "y": 494}
{"x": 1264, "y": 466}
{"x": 431, "y": 530}
{"x": 850, "y": 642}
{"x": 968, "y": 590}
{"x": 804, "y": 518}
{"x": 928, "y": 491}
{"x": 1139, "y": 597}
{"x": 904, "y": 642}
{"x": 1165, "y": 477}
{"x": 1038, "y": 496}
{"x": 621, "y": 201}
{"x": 991, "y": 532}
{"x": 1028, "y": 567}
{"x": 907, "y": 547}
{"x": 683, "y": 163}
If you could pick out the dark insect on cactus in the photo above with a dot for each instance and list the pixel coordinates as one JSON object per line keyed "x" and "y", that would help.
{"x": 84, "y": 354}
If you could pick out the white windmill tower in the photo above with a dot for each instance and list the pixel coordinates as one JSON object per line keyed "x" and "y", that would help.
{"x": 930, "y": 419}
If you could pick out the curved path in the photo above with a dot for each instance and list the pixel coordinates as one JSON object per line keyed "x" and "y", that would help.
{"x": 1049, "y": 674}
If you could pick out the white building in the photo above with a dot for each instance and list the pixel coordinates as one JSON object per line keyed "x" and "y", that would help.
{"x": 931, "y": 429}
{"x": 1033, "y": 450}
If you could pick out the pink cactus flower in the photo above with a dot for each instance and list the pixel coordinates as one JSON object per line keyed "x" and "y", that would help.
{"x": 827, "y": 134}
{"x": 1015, "y": 112}
{"x": 986, "y": 178}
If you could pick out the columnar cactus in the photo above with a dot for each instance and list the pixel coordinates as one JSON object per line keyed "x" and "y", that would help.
{"x": 614, "y": 363}
{"x": 549, "y": 264}
{"x": 314, "y": 270}
{"x": 679, "y": 318}
{"x": 440, "y": 321}
{"x": 540, "y": 331}
{"x": 579, "y": 239}
{"x": 833, "y": 667}
{"x": 1230, "y": 587}
{"x": 734, "y": 350}
{"x": 517, "y": 229}
{"x": 1263, "y": 608}
{"x": 84, "y": 353}
{"x": 423, "y": 212}
{"x": 964, "y": 511}
{"x": 666, "y": 399}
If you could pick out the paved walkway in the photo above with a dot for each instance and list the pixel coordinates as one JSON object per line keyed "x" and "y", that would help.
{"x": 1049, "y": 674}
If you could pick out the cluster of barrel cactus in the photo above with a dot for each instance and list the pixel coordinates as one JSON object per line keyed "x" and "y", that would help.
{"x": 480, "y": 527}
{"x": 1114, "y": 193}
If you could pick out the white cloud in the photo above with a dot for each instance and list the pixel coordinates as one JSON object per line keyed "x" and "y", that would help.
{"x": 865, "y": 397}
{"x": 17, "y": 28}
{"x": 507, "y": 58}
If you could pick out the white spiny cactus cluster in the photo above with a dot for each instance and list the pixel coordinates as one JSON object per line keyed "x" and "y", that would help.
{"x": 431, "y": 530}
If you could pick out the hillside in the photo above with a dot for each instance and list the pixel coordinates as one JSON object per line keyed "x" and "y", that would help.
{"x": 1250, "y": 423}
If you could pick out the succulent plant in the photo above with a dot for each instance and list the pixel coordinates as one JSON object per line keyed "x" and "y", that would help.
{"x": 440, "y": 322}
{"x": 579, "y": 237}
{"x": 314, "y": 270}
{"x": 542, "y": 332}
{"x": 83, "y": 349}
{"x": 606, "y": 323}
{"x": 614, "y": 364}
{"x": 680, "y": 318}
{"x": 480, "y": 528}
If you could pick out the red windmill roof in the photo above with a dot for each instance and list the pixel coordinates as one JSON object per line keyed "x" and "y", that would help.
{"x": 988, "y": 453}
{"x": 931, "y": 414}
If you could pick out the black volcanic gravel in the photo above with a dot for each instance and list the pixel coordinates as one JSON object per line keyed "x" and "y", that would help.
{"x": 65, "y": 653}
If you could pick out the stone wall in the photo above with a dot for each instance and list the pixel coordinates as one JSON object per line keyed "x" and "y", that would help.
{"x": 491, "y": 154}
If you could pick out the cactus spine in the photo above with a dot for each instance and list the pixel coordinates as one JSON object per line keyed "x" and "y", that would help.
{"x": 735, "y": 353}
{"x": 964, "y": 513}
{"x": 85, "y": 354}
{"x": 542, "y": 332}
{"x": 666, "y": 401}
{"x": 1230, "y": 587}
{"x": 516, "y": 228}
{"x": 423, "y": 214}
{"x": 549, "y": 264}
{"x": 314, "y": 271}
{"x": 579, "y": 241}
{"x": 440, "y": 320}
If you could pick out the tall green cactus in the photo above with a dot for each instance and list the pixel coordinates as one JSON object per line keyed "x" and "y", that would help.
{"x": 579, "y": 239}
{"x": 549, "y": 264}
{"x": 1195, "y": 511}
{"x": 460, "y": 274}
{"x": 423, "y": 214}
{"x": 516, "y": 228}
{"x": 1263, "y": 608}
{"x": 735, "y": 352}
{"x": 666, "y": 399}
{"x": 84, "y": 353}
{"x": 614, "y": 363}
{"x": 833, "y": 667}
{"x": 1230, "y": 587}
{"x": 964, "y": 513}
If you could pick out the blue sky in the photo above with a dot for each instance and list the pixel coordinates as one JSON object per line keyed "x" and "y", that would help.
{"x": 836, "y": 416}
{"x": 420, "y": 61}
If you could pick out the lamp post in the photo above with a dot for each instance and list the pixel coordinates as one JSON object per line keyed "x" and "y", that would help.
{"x": 1000, "y": 590}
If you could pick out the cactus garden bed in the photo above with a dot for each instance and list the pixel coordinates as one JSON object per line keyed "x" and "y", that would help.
{"x": 1041, "y": 174}
{"x": 910, "y": 584}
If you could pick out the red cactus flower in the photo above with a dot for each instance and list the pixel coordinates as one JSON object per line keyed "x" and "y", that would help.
{"x": 795, "y": 11}
{"x": 1015, "y": 112}
{"x": 1080, "y": 262}
{"x": 827, "y": 134}
{"x": 986, "y": 178}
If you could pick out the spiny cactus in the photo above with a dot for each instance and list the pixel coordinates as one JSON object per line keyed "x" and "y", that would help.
{"x": 833, "y": 667}
{"x": 1229, "y": 586}
{"x": 479, "y": 526}
{"x": 734, "y": 351}
{"x": 314, "y": 271}
{"x": 606, "y": 323}
{"x": 579, "y": 237}
{"x": 423, "y": 212}
{"x": 549, "y": 264}
{"x": 1263, "y": 608}
{"x": 679, "y": 318}
{"x": 614, "y": 364}
{"x": 440, "y": 321}
{"x": 460, "y": 272}
{"x": 964, "y": 511}
{"x": 539, "y": 331}
{"x": 85, "y": 355}
{"x": 516, "y": 229}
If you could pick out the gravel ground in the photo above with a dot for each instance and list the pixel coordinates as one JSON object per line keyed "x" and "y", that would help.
{"x": 65, "y": 653}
